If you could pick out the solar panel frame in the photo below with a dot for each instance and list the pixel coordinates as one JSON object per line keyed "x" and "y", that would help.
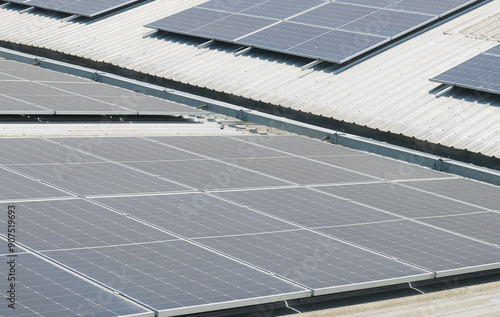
{"x": 323, "y": 50}
{"x": 282, "y": 9}
{"x": 196, "y": 215}
{"x": 495, "y": 50}
{"x": 78, "y": 7}
{"x": 400, "y": 200}
{"x": 388, "y": 23}
{"x": 80, "y": 224}
{"x": 306, "y": 207}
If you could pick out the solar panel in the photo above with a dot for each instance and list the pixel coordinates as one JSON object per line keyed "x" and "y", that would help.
{"x": 427, "y": 247}
{"x": 77, "y": 223}
{"x": 178, "y": 277}
{"x": 196, "y": 215}
{"x": 388, "y": 23}
{"x": 298, "y": 145}
{"x": 320, "y": 263}
{"x": 208, "y": 174}
{"x": 400, "y": 200}
{"x": 46, "y": 290}
{"x": 333, "y": 15}
{"x": 31, "y": 90}
{"x": 494, "y": 51}
{"x": 480, "y": 194}
{"x": 431, "y": 7}
{"x": 306, "y": 207}
{"x": 336, "y": 32}
{"x": 14, "y": 187}
{"x": 231, "y": 27}
{"x": 382, "y": 167}
{"x": 282, "y": 9}
{"x": 82, "y": 7}
{"x": 219, "y": 236}
{"x": 481, "y": 225}
{"x": 481, "y": 72}
{"x": 230, "y": 6}
{"x": 282, "y": 36}
{"x": 97, "y": 178}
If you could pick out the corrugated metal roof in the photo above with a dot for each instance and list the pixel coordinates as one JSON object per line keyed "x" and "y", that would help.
{"x": 389, "y": 91}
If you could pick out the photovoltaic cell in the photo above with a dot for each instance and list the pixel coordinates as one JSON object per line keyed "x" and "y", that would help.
{"x": 176, "y": 275}
{"x": 196, "y": 215}
{"x": 299, "y": 145}
{"x": 371, "y": 3}
{"x": 400, "y": 200}
{"x": 364, "y": 19}
{"x": 188, "y": 20}
{"x": 14, "y": 186}
{"x": 76, "y": 223}
{"x": 306, "y": 207}
{"x": 310, "y": 172}
{"x": 29, "y": 90}
{"x": 219, "y": 147}
{"x": 424, "y": 246}
{"x": 322, "y": 263}
{"x": 382, "y": 167}
{"x": 387, "y": 23}
{"x": 481, "y": 72}
{"x": 46, "y": 290}
{"x": 333, "y": 15}
{"x": 482, "y": 226}
{"x": 281, "y": 9}
{"x": 230, "y": 6}
{"x": 124, "y": 149}
{"x": 207, "y": 174}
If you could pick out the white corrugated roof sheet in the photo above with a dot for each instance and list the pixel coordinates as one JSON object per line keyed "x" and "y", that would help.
{"x": 389, "y": 91}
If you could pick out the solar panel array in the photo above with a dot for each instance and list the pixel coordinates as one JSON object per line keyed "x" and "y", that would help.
{"x": 481, "y": 73}
{"x": 84, "y": 8}
{"x": 29, "y": 90}
{"x": 188, "y": 224}
{"x": 331, "y": 31}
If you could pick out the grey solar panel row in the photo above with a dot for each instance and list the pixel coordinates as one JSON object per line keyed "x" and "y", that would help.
{"x": 80, "y": 7}
{"x": 243, "y": 244}
{"x": 334, "y": 32}
{"x": 481, "y": 73}
{"x": 29, "y": 90}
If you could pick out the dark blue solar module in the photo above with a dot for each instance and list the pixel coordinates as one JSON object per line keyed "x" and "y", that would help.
{"x": 230, "y": 6}
{"x": 388, "y": 23}
{"x": 481, "y": 72}
{"x": 80, "y": 7}
{"x": 362, "y": 18}
{"x": 333, "y": 15}
{"x": 282, "y": 36}
{"x": 431, "y": 7}
{"x": 494, "y": 51}
{"x": 188, "y": 20}
{"x": 231, "y": 27}
{"x": 282, "y": 9}
{"x": 337, "y": 46}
